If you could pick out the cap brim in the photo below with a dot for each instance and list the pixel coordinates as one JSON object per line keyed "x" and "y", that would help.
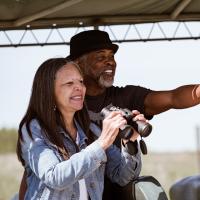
{"x": 113, "y": 47}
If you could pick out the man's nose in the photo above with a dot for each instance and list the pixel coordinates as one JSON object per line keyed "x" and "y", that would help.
{"x": 110, "y": 61}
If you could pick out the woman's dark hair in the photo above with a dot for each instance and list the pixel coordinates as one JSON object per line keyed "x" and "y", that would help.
{"x": 42, "y": 108}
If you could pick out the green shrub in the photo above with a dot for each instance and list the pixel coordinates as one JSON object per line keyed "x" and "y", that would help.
{"x": 8, "y": 140}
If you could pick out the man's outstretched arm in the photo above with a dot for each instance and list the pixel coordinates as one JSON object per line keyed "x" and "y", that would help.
{"x": 182, "y": 97}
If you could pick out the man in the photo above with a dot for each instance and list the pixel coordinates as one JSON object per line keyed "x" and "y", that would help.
{"x": 94, "y": 52}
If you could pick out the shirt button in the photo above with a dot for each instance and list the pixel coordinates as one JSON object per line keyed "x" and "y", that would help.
{"x": 92, "y": 185}
{"x": 102, "y": 162}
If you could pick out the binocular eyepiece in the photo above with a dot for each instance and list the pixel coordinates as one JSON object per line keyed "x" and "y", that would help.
{"x": 143, "y": 128}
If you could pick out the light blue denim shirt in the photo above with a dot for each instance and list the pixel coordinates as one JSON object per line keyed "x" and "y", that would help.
{"x": 50, "y": 177}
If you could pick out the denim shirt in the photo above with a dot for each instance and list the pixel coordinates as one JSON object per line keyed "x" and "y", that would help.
{"x": 51, "y": 177}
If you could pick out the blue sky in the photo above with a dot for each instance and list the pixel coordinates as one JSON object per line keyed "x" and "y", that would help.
{"x": 155, "y": 65}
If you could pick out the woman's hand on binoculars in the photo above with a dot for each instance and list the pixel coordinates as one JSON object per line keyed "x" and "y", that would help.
{"x": 138, "y": 116}
{"x": 110, "y": 129}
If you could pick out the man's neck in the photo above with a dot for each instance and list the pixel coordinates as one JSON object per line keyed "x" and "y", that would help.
{"x": 94, "y": 91}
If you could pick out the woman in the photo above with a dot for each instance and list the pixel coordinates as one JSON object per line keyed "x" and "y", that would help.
{"x": 56, "y": 142}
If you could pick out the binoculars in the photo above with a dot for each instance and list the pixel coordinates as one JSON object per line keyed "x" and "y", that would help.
{"x": 143, "y": 128}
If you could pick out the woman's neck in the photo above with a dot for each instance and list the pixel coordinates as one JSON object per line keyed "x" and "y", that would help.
{"x": 70, "y": 126}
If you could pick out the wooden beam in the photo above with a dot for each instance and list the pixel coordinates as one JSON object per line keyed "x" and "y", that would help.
{"x": 181, "y": 6}
{"x": 27, "y": 19}
{"x": 97, "y": 21}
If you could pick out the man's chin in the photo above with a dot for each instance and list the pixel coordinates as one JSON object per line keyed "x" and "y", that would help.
{"x": 105, "y": 83}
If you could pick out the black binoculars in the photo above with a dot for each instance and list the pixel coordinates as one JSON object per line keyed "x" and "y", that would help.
{"x": 143, "y": 128}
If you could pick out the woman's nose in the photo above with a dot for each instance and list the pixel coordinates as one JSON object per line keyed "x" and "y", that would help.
{"x": 78, "y": 86}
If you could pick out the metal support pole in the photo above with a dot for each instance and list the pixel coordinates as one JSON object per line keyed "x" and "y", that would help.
{"x": 96, "y": 27}
{"x": 198, "y": 146}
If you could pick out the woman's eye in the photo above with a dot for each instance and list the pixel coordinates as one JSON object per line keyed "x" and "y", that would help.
{"x": 82, "y": 81}
{"x": 69, "y": 83}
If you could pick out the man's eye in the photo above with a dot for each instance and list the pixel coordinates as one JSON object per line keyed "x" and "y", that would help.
{"x": 111, "y": 57}
{"x": 100, "y": 58}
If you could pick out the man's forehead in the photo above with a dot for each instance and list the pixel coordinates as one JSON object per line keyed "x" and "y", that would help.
{"x": 107, "y": 51}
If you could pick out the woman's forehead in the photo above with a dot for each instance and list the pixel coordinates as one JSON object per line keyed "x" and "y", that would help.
{"x": 68, "y": 70}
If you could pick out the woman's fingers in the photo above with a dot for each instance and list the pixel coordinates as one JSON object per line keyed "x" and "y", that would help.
{"x": 138, "y": 116}
{"x": 111, "y": 125}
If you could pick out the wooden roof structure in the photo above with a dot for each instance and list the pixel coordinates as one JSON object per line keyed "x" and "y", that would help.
{"x": 29, "y": 15}
{"x": 17, "y": 14}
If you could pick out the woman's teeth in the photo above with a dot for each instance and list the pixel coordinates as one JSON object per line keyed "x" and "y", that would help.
{"x": 77, "y": 97}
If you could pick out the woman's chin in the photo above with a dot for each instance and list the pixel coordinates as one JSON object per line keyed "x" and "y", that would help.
{"x": 78, "y": 107}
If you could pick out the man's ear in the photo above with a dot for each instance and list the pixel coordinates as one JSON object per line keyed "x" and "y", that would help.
{"x": 79, "y": 62}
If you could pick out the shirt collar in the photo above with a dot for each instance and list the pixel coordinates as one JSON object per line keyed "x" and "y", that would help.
{"x": 81, "y": 135}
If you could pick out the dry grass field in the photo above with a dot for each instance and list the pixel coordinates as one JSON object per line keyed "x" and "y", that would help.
{"x": 166, "y": 167}
{"x": 170, "y": 167}
{"x": 10, "y": 175}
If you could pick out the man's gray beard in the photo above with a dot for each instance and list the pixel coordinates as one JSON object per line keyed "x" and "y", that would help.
{"x": 105, "y": 83}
